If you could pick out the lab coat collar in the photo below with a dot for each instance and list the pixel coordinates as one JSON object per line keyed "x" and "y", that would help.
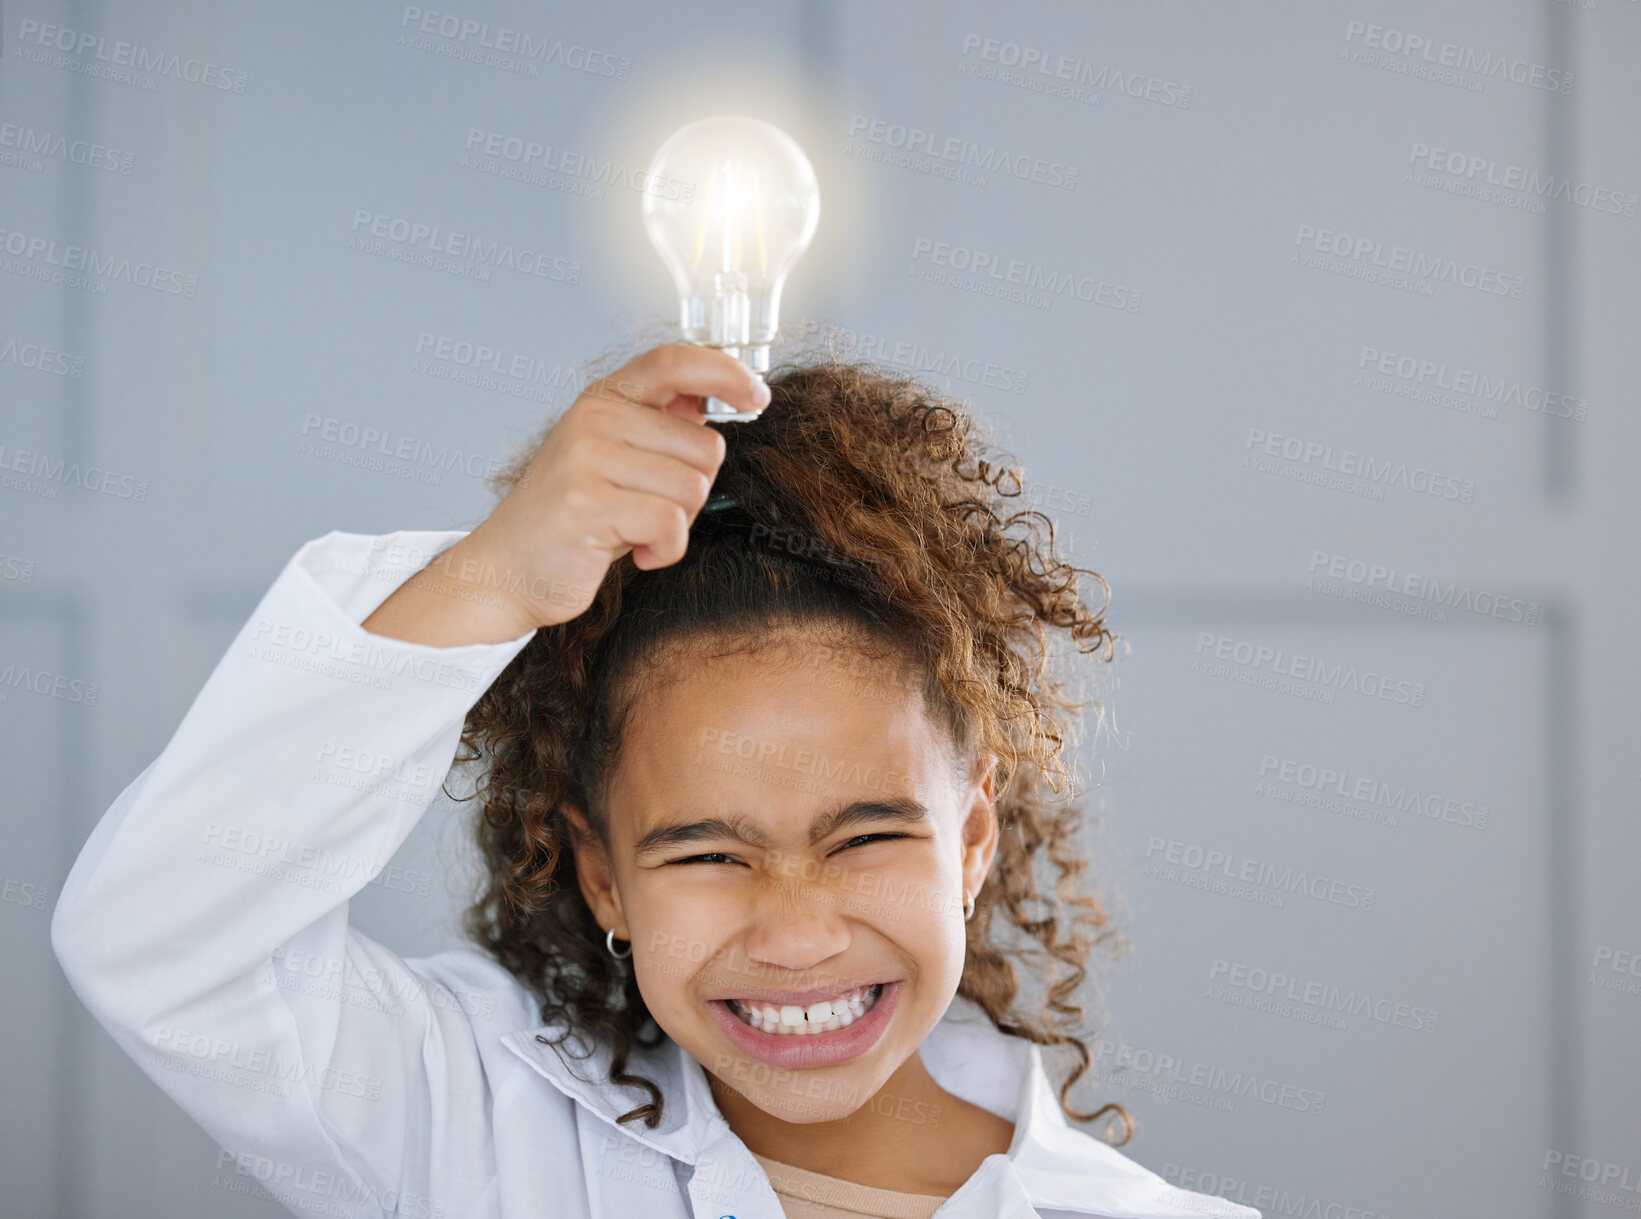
{"x": 1058, "y": 1167}
{"x": 579, "y": 1067}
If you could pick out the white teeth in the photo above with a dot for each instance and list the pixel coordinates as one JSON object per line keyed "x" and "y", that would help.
{"x": 820, "y": 1017}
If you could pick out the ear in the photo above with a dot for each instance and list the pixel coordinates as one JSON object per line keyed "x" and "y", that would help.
{"x": 980, "y": 827}
{"x": 594, "y": 873}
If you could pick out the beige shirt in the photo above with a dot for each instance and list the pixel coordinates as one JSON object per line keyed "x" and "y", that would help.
{"x": 811, "y": 1195}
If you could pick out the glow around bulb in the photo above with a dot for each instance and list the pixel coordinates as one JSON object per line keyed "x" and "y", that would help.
{"x": 747, "y": 209}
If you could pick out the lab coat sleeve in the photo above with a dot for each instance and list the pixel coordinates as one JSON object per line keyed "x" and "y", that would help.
{"x": 205, "y": 921}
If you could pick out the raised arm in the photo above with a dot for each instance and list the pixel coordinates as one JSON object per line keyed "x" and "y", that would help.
{"x": 205, "y": 922}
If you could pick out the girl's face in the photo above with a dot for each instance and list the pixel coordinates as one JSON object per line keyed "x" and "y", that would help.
{"x": 792, "y": 842}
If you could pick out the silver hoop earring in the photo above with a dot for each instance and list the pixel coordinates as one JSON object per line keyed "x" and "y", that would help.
{"x": 968, "y": 909}
{"x": 609, "y": 942}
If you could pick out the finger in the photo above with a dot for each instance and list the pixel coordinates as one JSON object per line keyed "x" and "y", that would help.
{"x": 656, "y": 431}
{"x": 691, "y": 408}
{"x": 684, "y": 483}
{"x": 638, "y": 519}
{"x": 659, "y": 375}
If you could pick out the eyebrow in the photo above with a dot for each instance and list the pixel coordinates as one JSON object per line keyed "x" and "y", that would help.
{"x": 893, "y": 810}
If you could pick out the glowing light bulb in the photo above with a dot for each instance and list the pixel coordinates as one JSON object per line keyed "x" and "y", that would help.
{"x": 743, "y": 208}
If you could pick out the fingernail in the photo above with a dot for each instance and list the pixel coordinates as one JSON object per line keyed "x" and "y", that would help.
{"x": 760, "y": 392}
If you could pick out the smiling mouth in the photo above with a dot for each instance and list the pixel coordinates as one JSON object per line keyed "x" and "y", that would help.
{"x": 792, "y": 1021}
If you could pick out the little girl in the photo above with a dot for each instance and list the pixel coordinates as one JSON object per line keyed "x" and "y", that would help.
{"x": 763, "y": 721}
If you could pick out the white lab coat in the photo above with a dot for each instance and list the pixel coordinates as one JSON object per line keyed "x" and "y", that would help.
{"x": 205, "y": 926}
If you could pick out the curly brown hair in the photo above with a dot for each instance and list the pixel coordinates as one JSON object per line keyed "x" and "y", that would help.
{"x": 861, "y": 498}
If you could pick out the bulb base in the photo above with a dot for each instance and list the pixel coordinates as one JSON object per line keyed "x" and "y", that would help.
{"x": 756, "y": 357}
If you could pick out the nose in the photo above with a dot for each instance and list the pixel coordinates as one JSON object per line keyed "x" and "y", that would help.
{"x": 796, "y": 924}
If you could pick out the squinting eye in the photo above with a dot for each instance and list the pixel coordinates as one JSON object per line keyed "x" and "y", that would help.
{"x": 709, "y": 857}
{"x": 869, "y": 838}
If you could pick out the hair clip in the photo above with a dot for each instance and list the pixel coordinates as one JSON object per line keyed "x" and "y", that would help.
{"x": 718, "y": 501}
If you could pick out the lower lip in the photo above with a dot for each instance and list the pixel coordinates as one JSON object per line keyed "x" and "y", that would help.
{"x": 798, "y": 1051}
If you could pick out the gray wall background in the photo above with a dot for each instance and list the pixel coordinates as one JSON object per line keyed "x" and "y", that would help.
{"x": 1211, "y": 144}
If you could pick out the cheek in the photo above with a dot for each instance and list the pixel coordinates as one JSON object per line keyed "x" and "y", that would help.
{"x": 680, "y": 932}
{"x": 935, "y": 940}
{"x": 923, "y": 921}
{"x": 919, "y": 891}
{"x": 662, "y": 965}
